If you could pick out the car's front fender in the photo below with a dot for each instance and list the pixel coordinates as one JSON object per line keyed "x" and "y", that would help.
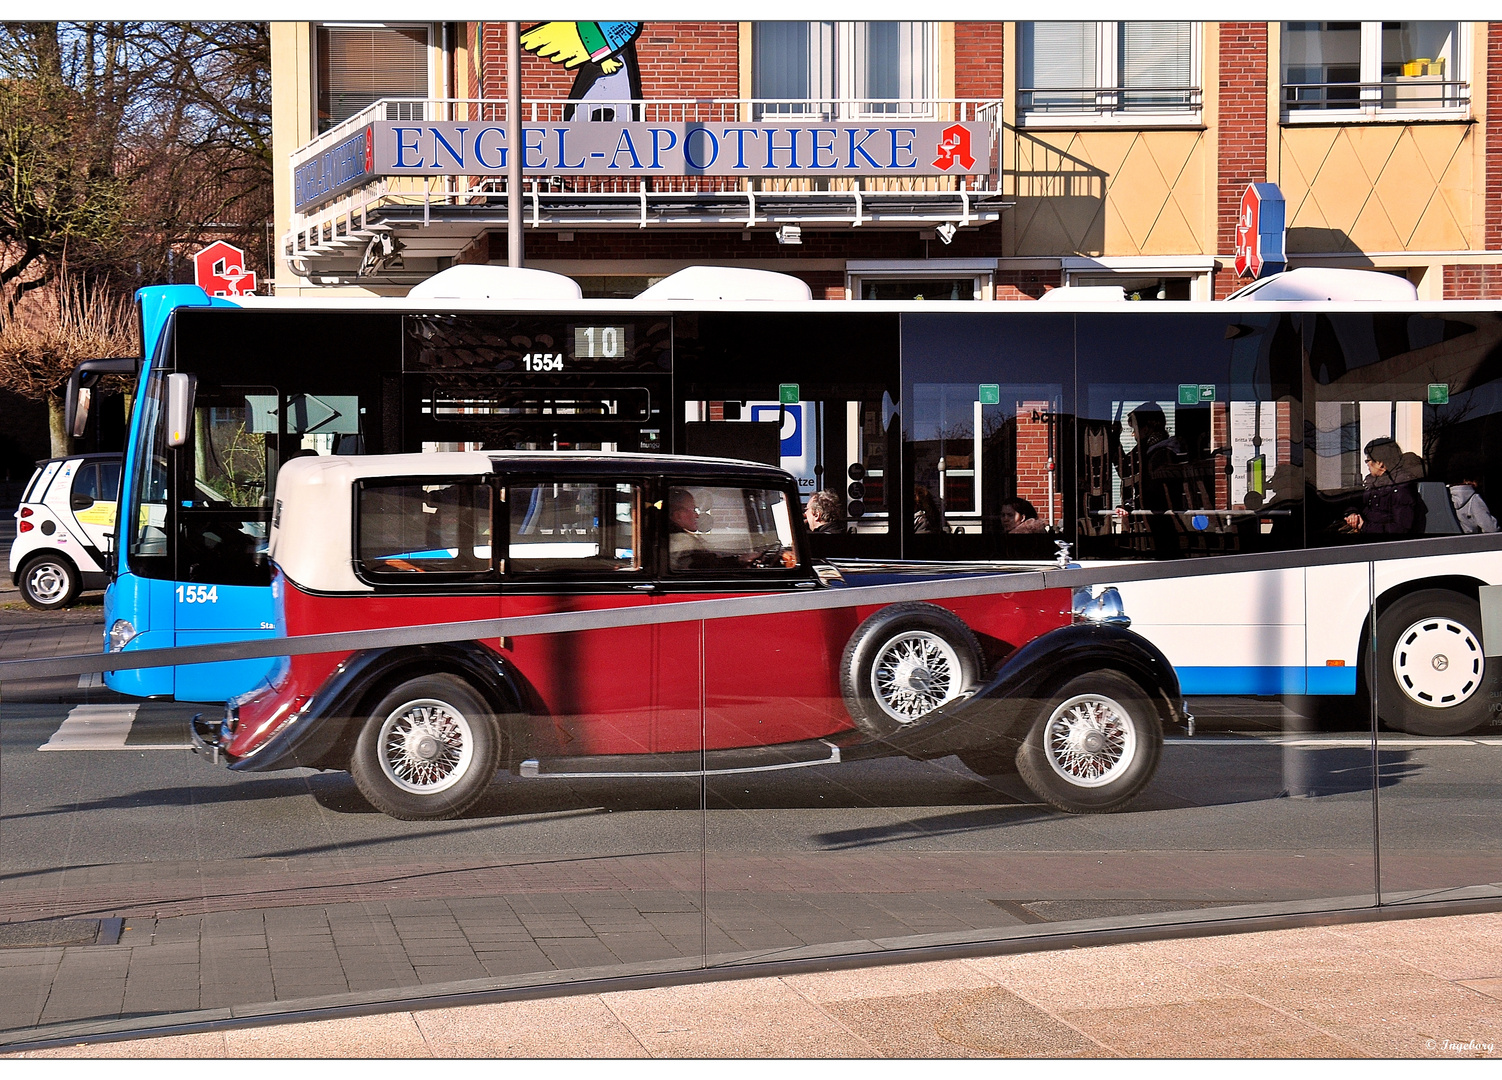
{"x": 322, "y": 732}
{"x": 1005, "y": 705}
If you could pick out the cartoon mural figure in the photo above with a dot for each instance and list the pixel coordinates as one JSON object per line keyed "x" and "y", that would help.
{"x": 604, "y": 54}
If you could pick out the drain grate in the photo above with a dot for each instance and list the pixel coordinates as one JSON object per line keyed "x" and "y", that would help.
{"x": 57, "y": 932}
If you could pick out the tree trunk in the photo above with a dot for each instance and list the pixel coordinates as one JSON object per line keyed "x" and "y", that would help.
{"x": 57, "y": 427}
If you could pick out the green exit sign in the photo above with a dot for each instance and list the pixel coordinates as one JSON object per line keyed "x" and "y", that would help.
{"x": 1439, "y": 393}
{"x": 787, "y": 393}
{"x": 990, "y": 393}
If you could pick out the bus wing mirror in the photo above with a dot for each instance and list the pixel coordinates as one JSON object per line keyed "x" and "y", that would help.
{"x": 78, "y": 409}
{"x": 180, "y": 391}
{"x": 80, "y": 393}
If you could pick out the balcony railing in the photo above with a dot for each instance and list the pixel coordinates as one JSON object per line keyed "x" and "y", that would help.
{"x": 1073, "y": 101}
{"x": 1416, "y": 93}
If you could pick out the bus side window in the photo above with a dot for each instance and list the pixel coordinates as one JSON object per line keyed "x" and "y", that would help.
{"x": 1404, "y": 428}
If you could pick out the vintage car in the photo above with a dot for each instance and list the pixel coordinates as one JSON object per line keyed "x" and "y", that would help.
{"x": 1074, "y": 702}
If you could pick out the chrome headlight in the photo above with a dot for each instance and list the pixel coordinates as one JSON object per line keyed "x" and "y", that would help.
{"x": 1104, "y": 607}
{"x": 120, "y": 634}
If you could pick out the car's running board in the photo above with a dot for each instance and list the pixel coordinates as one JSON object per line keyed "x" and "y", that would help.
{"x": 711, "y": 763}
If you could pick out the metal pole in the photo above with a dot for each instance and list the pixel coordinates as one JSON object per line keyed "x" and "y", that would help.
{"x": 513, "y": 144}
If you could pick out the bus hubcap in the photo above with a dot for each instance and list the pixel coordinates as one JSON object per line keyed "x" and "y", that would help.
{"x": 1438, "y": 663}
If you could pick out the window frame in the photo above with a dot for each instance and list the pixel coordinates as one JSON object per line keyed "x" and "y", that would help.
{"x": 1107, "y": 85}
{"x": 757, "y": 575}
{"x": 643, "y": 570}
{"x": 845, "y": 96}
{"x": 1370, "y": 87}
{"x": 408, "y": 581}
{"x": 317, "y": 62}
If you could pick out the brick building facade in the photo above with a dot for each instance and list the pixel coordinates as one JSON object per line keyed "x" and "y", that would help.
{"x": 1110, "y": 185}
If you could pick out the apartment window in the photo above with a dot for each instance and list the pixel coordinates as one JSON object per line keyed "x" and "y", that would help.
{"x": 1111, "y": 72}
{"x": 360, "y": 65}
{"x": 831, "y": 70}
{"x": 1362, "y": 69}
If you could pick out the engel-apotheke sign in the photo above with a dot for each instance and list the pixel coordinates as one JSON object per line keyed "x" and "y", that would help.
{"x": 594, "y": 148}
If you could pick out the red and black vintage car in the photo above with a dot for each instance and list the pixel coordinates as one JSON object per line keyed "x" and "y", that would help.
{"x": 1045, "y": 682}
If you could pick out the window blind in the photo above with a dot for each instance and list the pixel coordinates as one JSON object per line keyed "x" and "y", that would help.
{"x": 358, "y": 66}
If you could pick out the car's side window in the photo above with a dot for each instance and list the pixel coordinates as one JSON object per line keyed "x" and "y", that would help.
{"x": 407, "y": 528}
{"x": 86, "y": 482}
{"x": 574, "y": 528}
{"x": 728, "y": 528}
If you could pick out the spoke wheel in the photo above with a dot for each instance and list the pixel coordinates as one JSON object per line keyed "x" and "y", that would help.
{"x": 428, "y": 750}
{"x": 914, "y": 674}
{"x": 426, "y": 746}
{"x": 1090, "y": 740}
{"x": 1094, "y": 746}
{"x": 902, "y": 663}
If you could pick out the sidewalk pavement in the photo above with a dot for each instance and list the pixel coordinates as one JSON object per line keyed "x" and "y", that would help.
{"x": 1426, "y": 988}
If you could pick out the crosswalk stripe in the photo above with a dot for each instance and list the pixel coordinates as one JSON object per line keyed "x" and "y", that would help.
{"x": 93, "y": 727}
{"x": 101, "y": 727}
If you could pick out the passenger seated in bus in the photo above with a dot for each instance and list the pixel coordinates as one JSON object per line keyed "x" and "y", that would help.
{"x": 825, "y": 514}
{"x": 1390, "y": 502}
{"x": 928, "y": 512}
{"x": 1019, "y": 517}
{"x": 1152, "y": 477}
{"x": 1470, "y": 508}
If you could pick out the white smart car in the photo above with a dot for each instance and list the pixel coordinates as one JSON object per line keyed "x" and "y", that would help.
{"x": 65, "y": 527}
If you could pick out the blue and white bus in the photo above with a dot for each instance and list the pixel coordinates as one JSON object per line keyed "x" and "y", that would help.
{"x": 949, "y": 430}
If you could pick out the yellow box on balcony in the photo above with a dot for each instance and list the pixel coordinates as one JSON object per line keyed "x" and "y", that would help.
{"x": 1423, "y": 67}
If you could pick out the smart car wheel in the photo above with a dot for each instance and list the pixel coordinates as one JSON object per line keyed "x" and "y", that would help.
{"x": 49, "y": 582}
{"x": 1432, "y": 674}
{"x": 428, "y": 750}
{"x": 1094, "y": 746}
{"x": 904, "y": 662}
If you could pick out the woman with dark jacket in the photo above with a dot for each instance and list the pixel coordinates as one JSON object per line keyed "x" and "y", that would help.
{"x": 1390, "y": 504}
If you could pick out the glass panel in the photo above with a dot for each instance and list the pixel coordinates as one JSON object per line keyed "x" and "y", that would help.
{"x": 891, "y": 62}
{"x": 1405, "y": 425}
{"x": 984, "y": 399}
{"x": 574, "y": 528}
{"x": 149, "y": 485}
{"x": 1417, "y": 60}
{"x": 918, "y": 288}
{"x": 1187, "y": 441}
{"x": 838, "y": 842}
{"x": 424, "y": 528}
{"x": 726, "y": 529}
{"x": 1321, "y": 65}
{"x": 793, "y": 65}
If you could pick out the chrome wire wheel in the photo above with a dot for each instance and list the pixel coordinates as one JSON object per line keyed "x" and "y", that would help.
{"x": 914, "y": 674}
{"x": 425, "y": 746}
{"x": 1438, "y": 662}
{"x": 47, "y": 582}
{"x": 1090, "y": 740}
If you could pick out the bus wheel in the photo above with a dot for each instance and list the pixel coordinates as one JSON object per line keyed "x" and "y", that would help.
{"x": 904, "y": 662}
{"x": 428, "y": 751}
{"x": 49, "y": 582}
{"x": 1095, "y": 745}
{"x": 1432, "y": 676}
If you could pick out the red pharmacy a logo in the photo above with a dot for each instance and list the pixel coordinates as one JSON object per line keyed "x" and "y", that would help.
{"x": 954, "y": 145}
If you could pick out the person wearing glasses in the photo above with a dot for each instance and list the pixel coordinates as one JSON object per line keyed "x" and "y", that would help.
{"x": 1390, "y": 500}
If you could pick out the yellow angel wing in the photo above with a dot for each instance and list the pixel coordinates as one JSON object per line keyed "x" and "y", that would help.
{"x": 556, "y": 41}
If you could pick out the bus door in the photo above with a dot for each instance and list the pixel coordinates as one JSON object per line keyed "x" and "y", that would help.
{"x": 536, "y": 382}
{"x": 814, "y": 395}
